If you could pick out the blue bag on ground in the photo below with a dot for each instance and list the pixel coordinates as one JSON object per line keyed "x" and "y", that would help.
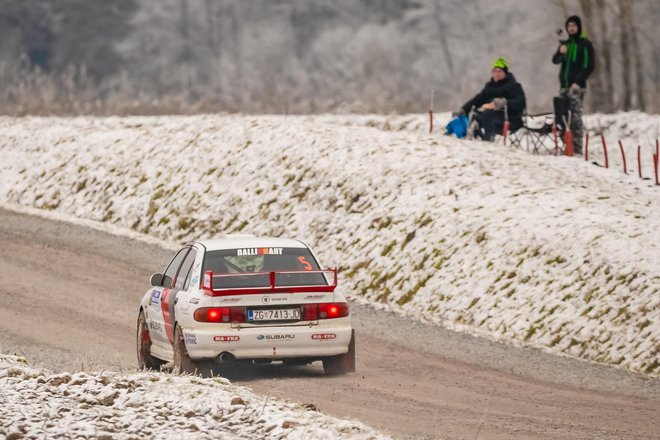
{"x": 458, "y": 126}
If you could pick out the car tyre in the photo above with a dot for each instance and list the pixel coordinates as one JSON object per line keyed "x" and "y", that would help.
{"x": 343, "y": 363}
{"x": 145, "y": 359}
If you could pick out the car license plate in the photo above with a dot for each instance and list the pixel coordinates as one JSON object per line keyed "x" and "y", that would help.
{"x": 273, "y": 314}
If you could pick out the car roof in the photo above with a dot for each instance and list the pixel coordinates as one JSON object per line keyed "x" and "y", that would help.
{"x": 249, "y": 241}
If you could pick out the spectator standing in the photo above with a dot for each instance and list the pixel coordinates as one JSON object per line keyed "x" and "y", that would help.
{"x": 577, "y": 58}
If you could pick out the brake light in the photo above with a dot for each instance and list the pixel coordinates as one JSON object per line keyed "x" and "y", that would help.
{"x": 312, "y": 312}
{"x": 220, "y": 314}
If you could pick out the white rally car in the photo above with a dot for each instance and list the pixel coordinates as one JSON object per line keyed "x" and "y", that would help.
{"x": 244, "y": 298}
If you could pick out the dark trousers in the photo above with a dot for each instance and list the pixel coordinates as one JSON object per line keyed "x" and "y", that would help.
{"x": 491, "y": 122}
{"x": 570, "y": 100}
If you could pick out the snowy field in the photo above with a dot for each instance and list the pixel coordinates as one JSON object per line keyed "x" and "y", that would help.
{"x": 107, "y": 405}
{"x": 554, "y": 253}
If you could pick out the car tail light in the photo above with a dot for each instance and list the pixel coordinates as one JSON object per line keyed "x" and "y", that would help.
{"x": 312, "y": 312}
{"x": 220, "y": 314}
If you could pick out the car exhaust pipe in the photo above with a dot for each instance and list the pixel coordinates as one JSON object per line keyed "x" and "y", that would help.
{"x": 225, "y": 356}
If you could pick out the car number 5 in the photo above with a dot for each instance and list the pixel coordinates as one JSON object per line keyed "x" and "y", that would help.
{"x": 305, "y": 263}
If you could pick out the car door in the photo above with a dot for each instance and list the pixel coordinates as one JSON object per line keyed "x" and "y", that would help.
{"x": 159, "y": 301}
{"x": 181, "y": 282}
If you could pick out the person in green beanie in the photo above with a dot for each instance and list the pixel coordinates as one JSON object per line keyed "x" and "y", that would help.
{"x": 501, "y": 91}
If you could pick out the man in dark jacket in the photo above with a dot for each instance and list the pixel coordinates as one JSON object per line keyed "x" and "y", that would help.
{"x": 577, "y": 59}
{"x": 501, "y": 91}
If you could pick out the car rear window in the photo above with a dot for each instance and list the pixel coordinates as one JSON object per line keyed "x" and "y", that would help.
{"x": 264, "y": 261}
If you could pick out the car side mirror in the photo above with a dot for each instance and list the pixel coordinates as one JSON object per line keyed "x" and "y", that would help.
{"x": 157, "y": 279}
{"x": 167, "y": 282}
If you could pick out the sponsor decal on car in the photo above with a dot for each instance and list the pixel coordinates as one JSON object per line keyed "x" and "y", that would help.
{"x": 258, "y": 251}
{"x": 155, "y": 297}
{"x": 155, "y": 326}
{"x": 190, "y": 338}
{"x": 269, "y": 299}
{"x": 282, "y": 337}
{"x": 323, "y": 336}
{"x": 230, "y": 300}
{"x": 226, "y": 338}
{"x": 194, "y": 280}
{"x": 194, "y": 301}
{"x": 314, "y": 296}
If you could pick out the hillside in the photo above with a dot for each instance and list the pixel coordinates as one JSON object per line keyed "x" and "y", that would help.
{"x": 549, "y": 252}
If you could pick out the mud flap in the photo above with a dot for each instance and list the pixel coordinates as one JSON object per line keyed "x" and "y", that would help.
{"x": 343, "y": 363}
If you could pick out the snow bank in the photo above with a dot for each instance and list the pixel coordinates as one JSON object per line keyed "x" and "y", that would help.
{"x": 107, "y": 405}
{"x": 551, "y": 252}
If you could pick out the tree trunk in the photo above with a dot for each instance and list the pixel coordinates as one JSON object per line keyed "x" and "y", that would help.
{"x": 626, "y": 61}
{"x": 637, "y": 58}
{"x": 604, "y": 57}
{"x": 442, "y": 35}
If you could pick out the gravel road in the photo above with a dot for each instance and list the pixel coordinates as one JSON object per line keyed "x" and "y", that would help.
{"x": 69, "y": 298}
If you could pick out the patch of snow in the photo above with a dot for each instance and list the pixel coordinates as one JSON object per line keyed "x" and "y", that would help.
{"x": 550, "y": 252}
{"x": 36, "y": 403}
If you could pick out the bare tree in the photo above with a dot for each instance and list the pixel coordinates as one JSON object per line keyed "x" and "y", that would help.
{"x": 442, "y": 35}
{"x": 637, "y": 59}
{"x": 626, "y": 57}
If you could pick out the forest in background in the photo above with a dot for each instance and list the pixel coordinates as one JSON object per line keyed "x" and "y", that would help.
{"x": 70, "y": 57}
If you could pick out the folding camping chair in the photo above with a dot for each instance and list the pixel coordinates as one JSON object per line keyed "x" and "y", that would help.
{"x": 536, "y": 134}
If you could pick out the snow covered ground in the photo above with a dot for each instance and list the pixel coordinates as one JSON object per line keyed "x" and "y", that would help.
{"x": 40, "y": 404}
{"x": 550, "y": 252}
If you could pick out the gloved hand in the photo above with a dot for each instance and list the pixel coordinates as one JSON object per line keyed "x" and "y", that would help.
{"x": 499, "y": 103}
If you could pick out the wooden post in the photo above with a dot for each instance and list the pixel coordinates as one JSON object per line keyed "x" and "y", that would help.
{"x": 607, "y": 162}
{"x": 586, "y": 148}
{"x": 623, "y": 155}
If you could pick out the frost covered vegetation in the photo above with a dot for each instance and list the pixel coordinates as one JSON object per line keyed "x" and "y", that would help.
{"x": 299, "y": 56}
{"x": 106, "y": 405}
{"x": 548, "y": 252}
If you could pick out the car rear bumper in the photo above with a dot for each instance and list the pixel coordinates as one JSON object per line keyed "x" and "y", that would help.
{"x": 276, "y": 342}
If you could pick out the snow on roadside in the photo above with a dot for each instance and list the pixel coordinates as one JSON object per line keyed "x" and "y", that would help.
{"x": 550, "y": 252}
{"x": 36, "y": 404}
{"x": 634, "y": 129}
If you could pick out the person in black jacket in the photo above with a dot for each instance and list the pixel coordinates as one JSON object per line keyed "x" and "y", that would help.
{"x": 501, "y": 91}
{"x": 577, "y": 59}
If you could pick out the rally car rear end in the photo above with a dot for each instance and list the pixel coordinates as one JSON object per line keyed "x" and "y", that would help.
{"x": 295, "y": 316}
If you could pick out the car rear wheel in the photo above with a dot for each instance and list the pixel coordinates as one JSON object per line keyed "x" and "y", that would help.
{"x": 182, "y": 362}
{"x": 342, "y": 364}
{"x": 145, "y": 360}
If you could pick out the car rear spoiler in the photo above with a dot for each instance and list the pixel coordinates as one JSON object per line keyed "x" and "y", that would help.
{"x": 210, "y": 281}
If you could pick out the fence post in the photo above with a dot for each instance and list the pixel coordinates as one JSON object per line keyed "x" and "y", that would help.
{"x": 505, "y": 127}
{"x": 431, "y": 113}
{"x": 586, "y": 148}
{"x": 639, "y": 160}
{"x": 656, "y": 159}
{"x": 568, "y": 136}
{"x": 430, "y": 121}
{"x": 607, "y": 162}
{"x": 623, "y": 155}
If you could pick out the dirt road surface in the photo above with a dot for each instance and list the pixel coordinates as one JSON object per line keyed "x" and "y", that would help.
{"x": 69, "y": 297}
